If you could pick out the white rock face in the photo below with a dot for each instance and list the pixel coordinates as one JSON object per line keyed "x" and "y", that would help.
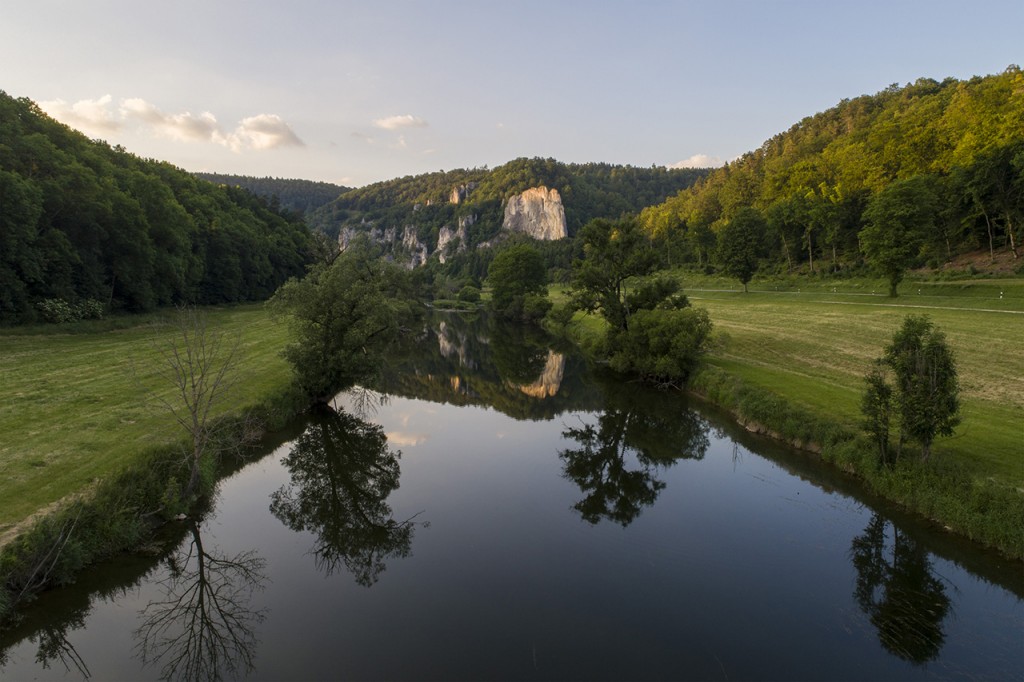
{"x": 461, "y": 192}
{"x": 537, "y": 212}
{"x": 445, "y": 237}
{"x": 416, "y": 248}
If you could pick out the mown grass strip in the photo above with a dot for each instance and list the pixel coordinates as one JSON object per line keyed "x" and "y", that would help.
{"x": 78, "y": 407}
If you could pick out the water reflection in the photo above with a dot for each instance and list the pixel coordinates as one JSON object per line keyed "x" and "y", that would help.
{"x": 476, "y": 360}
{"x": 342, "y": 473}
{"x": 54, "y": 645}
{"x": 617, "y": 461}
{"x": 897, "y": 589}
{"x": 205, "y": 625}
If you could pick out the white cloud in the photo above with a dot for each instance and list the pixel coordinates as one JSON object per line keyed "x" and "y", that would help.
{"x": 404, "y": 439}
{"x": 263, "y": 131}
{"x": 97, "y": 116}
{"x": 396, "y": 122}
{"x": 185, "y": 127}
{"x": 90, "y": 115}
{"x": 699, "y": 161}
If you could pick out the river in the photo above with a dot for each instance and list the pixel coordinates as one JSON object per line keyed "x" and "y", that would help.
{"x": 493, "y": 508}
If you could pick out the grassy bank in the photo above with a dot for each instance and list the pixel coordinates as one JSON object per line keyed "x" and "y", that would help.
{"x": 78, "y": 401}
{"x": 790, "y": 357}
{"x": 89, "y": 459}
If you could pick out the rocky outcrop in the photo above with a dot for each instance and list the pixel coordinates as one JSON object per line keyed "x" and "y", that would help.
{"x": 446, "y": 236}
{"x": 461, "y": 192}
{"x": 537, "y": 212}
{"x": 408, "y": 249}
{"x": 417, "y": 250}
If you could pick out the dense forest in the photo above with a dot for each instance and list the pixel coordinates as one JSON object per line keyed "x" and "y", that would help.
{"x": 86, "y": 227}
{"x": 911, "y": 176}
{"x": 299, "y": 196}
{"x": 588, "y": 191}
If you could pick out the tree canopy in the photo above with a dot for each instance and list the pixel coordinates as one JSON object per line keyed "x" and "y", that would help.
{"x": 816, "y": 182}
{"x": 518, "y": 282}
{"x": 83, "y": 221}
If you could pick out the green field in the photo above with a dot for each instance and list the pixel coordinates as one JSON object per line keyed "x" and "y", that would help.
{"x": 78, "y": 406}
{"x": 813, "y": 342}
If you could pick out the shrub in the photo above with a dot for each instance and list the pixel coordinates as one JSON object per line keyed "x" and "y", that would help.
{"x": 661, "y": 345}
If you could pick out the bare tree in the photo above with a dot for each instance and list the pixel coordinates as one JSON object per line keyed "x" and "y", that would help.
{"x": 202, "y": 367}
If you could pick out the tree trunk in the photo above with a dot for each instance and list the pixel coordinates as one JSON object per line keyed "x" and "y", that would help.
{"x": 991, "y": 238}
{"x": 785, "y": 249}
{"x": 1009, "y": 231}
{"x": 810, "y": 252}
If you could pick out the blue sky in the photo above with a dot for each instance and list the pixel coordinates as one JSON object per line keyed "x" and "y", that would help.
{"x": 358, "y": 92}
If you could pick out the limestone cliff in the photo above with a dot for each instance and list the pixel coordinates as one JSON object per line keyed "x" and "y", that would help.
{"x": 461, "y": 192}
{"x": 447, "y": 235}
{"x": 407, "y": 246}
{"x": 537, "y": 212}
{"x": 417, "y": 250}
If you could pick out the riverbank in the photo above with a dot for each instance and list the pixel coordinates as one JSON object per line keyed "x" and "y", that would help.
{"x": 791, "y": 366}
{"x": 88, "y": 455}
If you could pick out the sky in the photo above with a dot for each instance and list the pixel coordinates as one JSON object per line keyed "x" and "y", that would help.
{"x": 358, "y": 92}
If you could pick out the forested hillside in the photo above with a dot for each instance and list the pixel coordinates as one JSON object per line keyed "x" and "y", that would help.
{"x": 910, "y": 176}
{"x": 90, "y": 226}
{"x": 299, "y": 196}
{"x": 588, "y": 191}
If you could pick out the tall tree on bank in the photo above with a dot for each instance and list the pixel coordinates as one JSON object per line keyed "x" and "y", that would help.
{"x": 344, "y": 314}
{"x": 899, "y": 219}
{"x": 518, "y": 282}
{"x": 925, "y": 395}
{"x": 613, "y": 254}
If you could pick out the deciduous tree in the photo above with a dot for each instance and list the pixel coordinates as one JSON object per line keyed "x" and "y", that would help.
{"x": 899, "y": 219}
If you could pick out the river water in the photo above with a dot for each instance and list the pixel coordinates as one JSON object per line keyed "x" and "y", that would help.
{"x": 494, "y": 509}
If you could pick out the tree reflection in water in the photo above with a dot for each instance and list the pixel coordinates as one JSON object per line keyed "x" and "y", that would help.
{"x": 342, "y": 473}
{"x": 54, "y": 645}
{"x": 897, "y": 590}
{"x": 205, "y": 628}
{"x": 617, "y": 461}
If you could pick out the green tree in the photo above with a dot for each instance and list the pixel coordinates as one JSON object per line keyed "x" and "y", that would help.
{"x": 876, "y": 406}
{"x": 518, "y": 283}
{"x": 924, "y": 395}
{"x": 613, "y": 254}
{"x": 662, "y": 346}
{"x": 344, "y": 315}
{"x": 927, "y": 390}
{"x": 741, "y": 244}
{"x": 898, "y": 221}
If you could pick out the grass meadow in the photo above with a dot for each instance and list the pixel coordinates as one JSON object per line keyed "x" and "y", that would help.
{"x": 79, "y": 400}
{"x": 812, "y": 341}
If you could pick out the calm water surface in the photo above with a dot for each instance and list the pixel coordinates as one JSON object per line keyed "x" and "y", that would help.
{"x": 494, "y": 510}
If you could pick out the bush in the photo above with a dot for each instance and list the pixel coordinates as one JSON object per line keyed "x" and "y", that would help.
{"x": 59, "y": 311}
{"x": 469, "y": 294}
{"x": 662, "y": 346}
